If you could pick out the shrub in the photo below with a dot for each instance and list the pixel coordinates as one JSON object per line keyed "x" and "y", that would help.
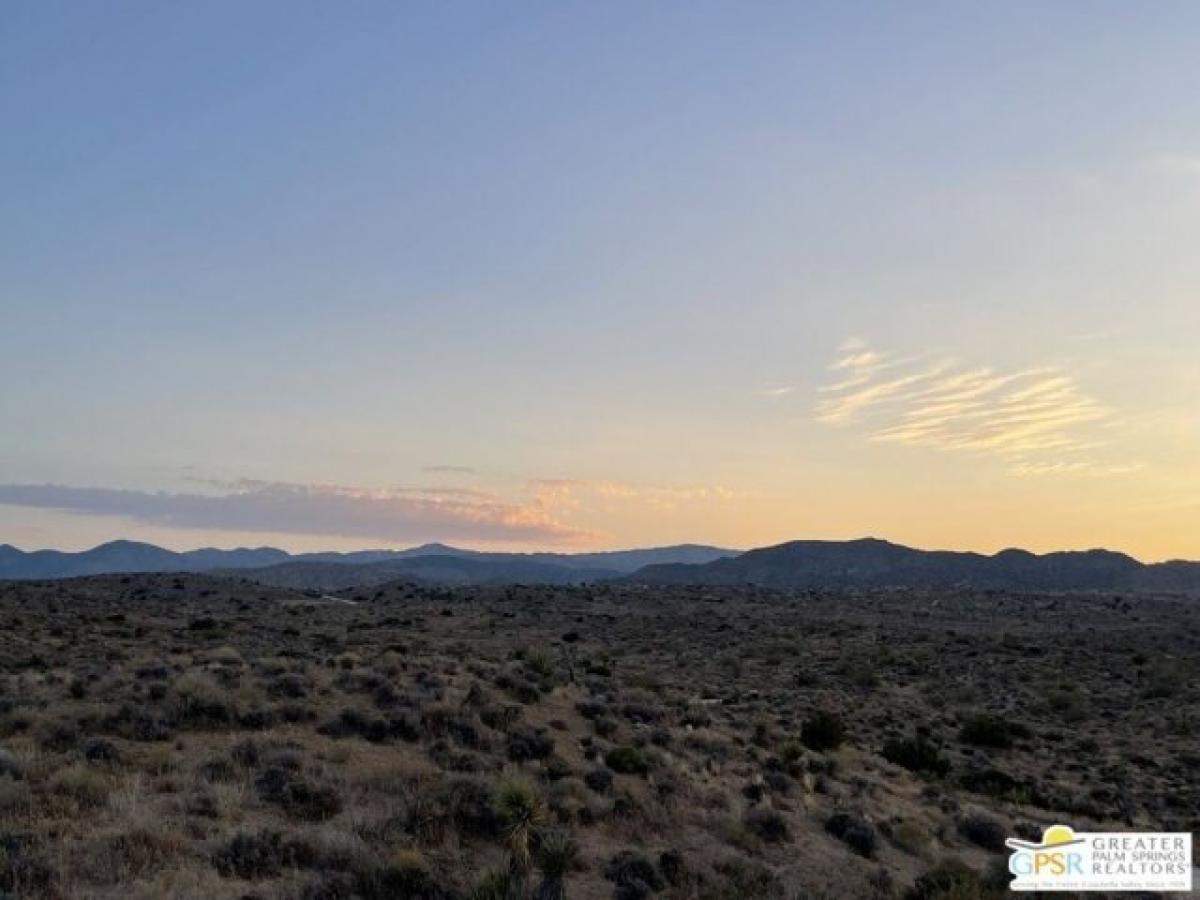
{"x": 376, "y": 729}
{"x": 427, "y": 819}
{"x": 142, "y": 850}
{"x": 24, "y": 869}
{"x": 631, "y": 869}
{"x": 200, "y": 703}
{"x": 948, "y": 880}
{"x": 454, "y": 760}
{"x": 823, "y": 731}
{"x": 464, "y": 804}
{"x": 916, "y": 755}
{"x": 994, "y": 783}
{"x": 406, "y": 875}
{"x": 153, "y": 671}
{"x": 860, "y": 672}
{"x": 472, "y": 809}
{"x": 855, "y": 832}
{"x": 519, "y": 689}
{"x": 767, "y": 825}
{"x": 908, "y": 835}
{"x": 791, "y": 754}
{"x": 641, "y": 713}
{"x": 15, "y": 797}
{"x": 333, "y": 886}
{"x": 1164, "y": 679}
{"x": 9, "y": 767}
{"x": 135, "y": 724}
{"x": 556, "y": 768}
{"x": 227, "y": 656}
{"x": 500, "y": 718}
{"x": 98, "y": 750}
{"x": 1067, "y": 703}
{"x": 289, "y": 686}
{"x": 992, "y": 731}
{"x": 670, "y": 863}
{"x": 446, "y": 721}
{"x": 744, "y": 880}
{"x": 526, "y": 744}
{"x": 697, "y": 717}
{"x": 983, "y": 832}
{"x": 590, "y": 709}
{"x": 498, "y": 884}
{"x": 13, "y": 722}
{"x": 539, "y": 663}
{"x": 352, "y": 722}
{"x": 627, "y": 761}
{"x": 599, "y": 780}
{"x": 58, "y": 736}
{"x": 86, "y": 787}
{"x": 262, "y": 855}
{"x": 297, "y": 797}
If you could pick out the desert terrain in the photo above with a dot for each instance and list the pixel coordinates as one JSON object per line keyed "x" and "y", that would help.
{"x": 195, "y": 736}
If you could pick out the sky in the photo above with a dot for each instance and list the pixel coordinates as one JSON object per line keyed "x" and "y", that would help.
{"x": 595, "y": 275}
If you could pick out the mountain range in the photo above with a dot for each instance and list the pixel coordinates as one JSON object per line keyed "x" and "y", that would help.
{"x": 874, "y": 563}
{"x": 865, "y": 563}
{"x": 428, "y": 562}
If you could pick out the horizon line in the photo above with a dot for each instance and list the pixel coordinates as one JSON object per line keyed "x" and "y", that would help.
{"x": 624, "y": 549}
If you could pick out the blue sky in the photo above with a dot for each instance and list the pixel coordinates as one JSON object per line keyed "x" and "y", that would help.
{"x": 612, "y": 259}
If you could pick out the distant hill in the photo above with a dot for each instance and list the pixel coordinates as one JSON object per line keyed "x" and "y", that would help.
{"x": 873, "y": 563}
{"x": 128, "y": 556}
{"x": 435, "y": 569}
{"x": 438, "y": 562}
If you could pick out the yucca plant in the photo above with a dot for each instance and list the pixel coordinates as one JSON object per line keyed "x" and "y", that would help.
{"x": 555, "y": 857}
{"x": 522, "y": 812}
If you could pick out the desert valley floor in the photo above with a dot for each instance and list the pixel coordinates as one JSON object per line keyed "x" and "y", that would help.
{"x": 198, "y": 737}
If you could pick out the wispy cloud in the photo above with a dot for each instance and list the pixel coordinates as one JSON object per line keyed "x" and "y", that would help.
{"x": 535, "y": 511}
{"x": 402, "y": 514}
{"x": 781, "y": 390}
{"x": 450, "y": 470}
{"x": 1039, "y": 420}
